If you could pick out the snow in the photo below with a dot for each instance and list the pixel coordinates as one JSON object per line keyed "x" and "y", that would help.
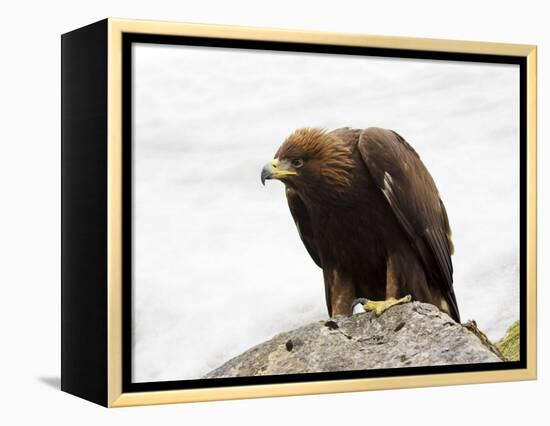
{"x": 218, "y": 263}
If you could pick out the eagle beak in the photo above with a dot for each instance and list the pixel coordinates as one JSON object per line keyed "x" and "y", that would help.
{"x": 275, "y": 170}
{"x": 267, "y": 173}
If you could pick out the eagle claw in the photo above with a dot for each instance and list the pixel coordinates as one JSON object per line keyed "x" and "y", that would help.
{"x": 379, "y": 307}
{"x": 358, "y": 305}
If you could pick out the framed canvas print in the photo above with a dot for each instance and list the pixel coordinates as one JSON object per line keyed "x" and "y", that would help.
{"x": 255, "y": 212}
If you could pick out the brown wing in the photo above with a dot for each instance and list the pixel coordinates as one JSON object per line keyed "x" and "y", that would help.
{"x": 414, "y": 199}
{"x": 301, "y": 218}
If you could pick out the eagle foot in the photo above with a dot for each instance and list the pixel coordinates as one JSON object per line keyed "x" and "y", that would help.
{"x": 379, "y": 307}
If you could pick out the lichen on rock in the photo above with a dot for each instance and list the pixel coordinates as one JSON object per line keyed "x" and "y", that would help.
{"x": 509, "y": 344}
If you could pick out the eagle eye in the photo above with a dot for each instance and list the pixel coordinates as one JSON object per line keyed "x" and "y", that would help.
{"x": 297, "y": 162}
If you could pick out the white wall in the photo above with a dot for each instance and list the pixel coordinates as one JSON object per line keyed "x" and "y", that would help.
{"x": 29, "y": 217}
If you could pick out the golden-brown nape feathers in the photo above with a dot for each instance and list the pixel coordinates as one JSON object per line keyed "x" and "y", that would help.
{"x": 333, "y": 154}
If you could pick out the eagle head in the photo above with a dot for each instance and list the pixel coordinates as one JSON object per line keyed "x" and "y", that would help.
{"x": 312, "y": 160}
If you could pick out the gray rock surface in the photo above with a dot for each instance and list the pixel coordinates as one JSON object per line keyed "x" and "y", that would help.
{"x": 410, "y": 335}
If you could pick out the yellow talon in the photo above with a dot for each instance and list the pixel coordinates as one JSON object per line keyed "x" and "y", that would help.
{"x": 380, "y": 306}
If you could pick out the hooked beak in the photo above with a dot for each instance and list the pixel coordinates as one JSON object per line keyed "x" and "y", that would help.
{"x": 276, "y": 170}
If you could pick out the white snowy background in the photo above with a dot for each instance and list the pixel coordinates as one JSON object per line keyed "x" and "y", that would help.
{"x": 218, "y": 264}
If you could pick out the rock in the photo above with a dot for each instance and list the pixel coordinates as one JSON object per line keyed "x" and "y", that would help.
{"x": 509, "y": 344}
{"x": 410, "y": 335}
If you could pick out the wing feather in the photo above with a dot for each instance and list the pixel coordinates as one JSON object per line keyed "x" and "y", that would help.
{"x": 303, "y": 223}
{"x": 414, "y": 199}
{"x": 301, "y": 218}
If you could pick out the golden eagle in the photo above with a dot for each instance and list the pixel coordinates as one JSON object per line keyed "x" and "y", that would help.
{"x": 370, "y": 215}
